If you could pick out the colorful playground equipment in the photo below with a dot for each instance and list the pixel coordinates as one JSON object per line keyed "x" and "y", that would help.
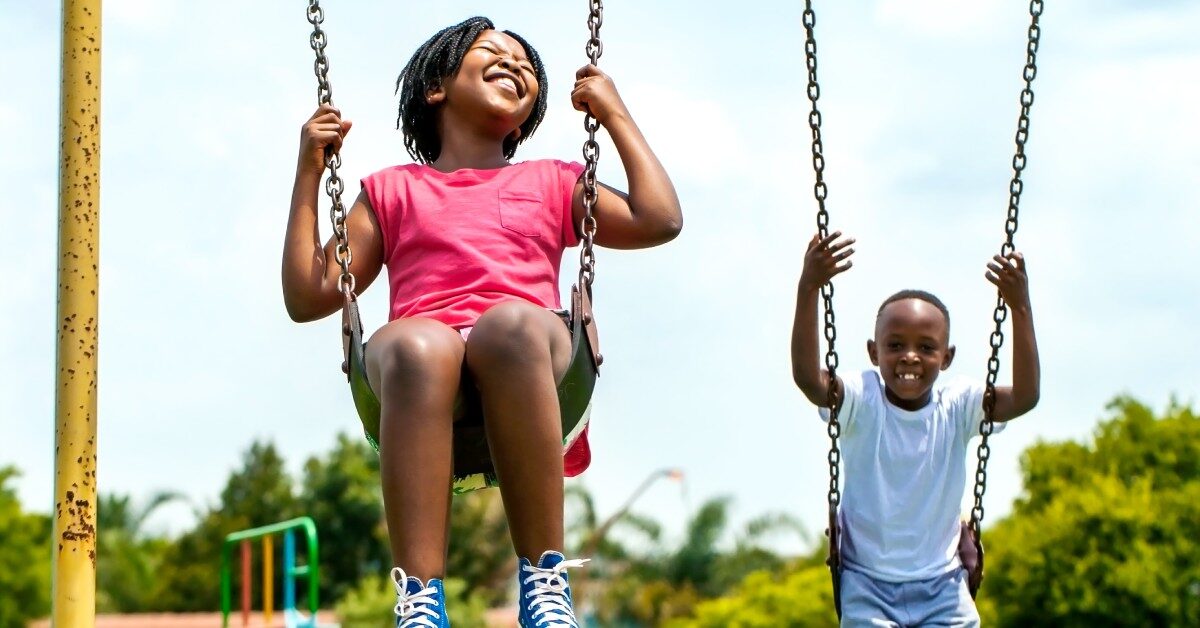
{"x": 291, "y": 571}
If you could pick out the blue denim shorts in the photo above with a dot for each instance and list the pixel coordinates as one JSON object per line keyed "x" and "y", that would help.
{"x": 940, "y": 601}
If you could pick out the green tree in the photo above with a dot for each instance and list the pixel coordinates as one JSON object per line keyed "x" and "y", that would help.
{"x": 1105, "y": 533}
{"x": 128, "y": 562}
{"x": 481, "y": 553}
{"x": 258, "y": 493}
{"x": 764, "y": 599}
{"x": 668, "y": 584}
{"x": 24, "y": 559}
{"x": 341, "y": 493}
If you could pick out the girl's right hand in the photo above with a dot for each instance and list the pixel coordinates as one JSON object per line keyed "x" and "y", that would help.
{"x": 824, "y": 259}
{"x": 324, "y": 128}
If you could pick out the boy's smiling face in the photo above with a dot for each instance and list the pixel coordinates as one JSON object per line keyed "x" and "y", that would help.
{"x": 911, "y": 347}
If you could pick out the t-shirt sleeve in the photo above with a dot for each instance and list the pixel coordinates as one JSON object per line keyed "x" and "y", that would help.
{"x": 382, "y": 190}
{"x": 568, "y": 176}
{"x": 967, "y": 402}
{"x": 854, "y": 388}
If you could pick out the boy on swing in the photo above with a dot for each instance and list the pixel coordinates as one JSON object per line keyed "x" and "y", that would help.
{"x": 904, "y": 441}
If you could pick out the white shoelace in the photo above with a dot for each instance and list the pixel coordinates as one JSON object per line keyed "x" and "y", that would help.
{"x": 549, "y": 605}
{"x": 414, "y": 610}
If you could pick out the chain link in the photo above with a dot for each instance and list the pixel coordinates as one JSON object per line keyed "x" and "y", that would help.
{"x": 1000, "y": 314}
{"x": 591, "y": 157}
{"x": 820, "y": 192}
{"x": 333, "y": 184}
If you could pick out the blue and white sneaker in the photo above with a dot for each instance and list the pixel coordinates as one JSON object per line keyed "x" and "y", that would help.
{"x": 545, "y": 599}
{"x": 419, "y": 605}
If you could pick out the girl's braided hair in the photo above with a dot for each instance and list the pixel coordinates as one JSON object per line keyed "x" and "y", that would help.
{"x": 437, "y": 59}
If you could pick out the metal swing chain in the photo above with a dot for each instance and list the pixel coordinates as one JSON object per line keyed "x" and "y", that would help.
{"x": 333, "y": 160}
{"x": 1000, "y": 314}
{"x": 834, "y": 428}
{"x": 591, "y": 156}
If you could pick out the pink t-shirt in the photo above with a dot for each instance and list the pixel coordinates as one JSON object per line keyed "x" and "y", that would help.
{"x": 456, "y": 244}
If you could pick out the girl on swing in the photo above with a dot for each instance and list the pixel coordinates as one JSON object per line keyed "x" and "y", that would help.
{"x": 472, "y": 242}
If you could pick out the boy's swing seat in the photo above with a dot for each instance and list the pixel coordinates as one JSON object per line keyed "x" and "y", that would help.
{"x": 970, "y": 544}
{"x": 473, "y": 468}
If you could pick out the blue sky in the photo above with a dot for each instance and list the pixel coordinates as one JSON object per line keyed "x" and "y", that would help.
{"x": 202, "y": 106}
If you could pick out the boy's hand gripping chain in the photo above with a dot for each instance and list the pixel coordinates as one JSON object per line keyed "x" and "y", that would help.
{"x": 591, "y": 156}
{"x": 831, "y": 357}
{"x": 333, "y": 160}
{"x": 1000, "y": 314}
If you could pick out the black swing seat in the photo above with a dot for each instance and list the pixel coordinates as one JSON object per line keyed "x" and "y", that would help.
{"x": 473, "y": 468}
{"x": 970, "y": 553}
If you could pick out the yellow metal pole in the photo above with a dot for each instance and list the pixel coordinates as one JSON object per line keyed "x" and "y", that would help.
{"x": 268, "y": 544}
{"x": 74, "y": 539}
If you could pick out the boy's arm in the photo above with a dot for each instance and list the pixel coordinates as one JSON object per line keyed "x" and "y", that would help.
{"x": 822, "y": 261}
{"x": 1008, "y": 274}
{"x": 649, "y": 214}
{"x": 310, "y": 271}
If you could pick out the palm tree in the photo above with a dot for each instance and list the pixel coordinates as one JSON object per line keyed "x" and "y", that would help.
{"x": 128, "y": 560}
{"x": 670, "y": 584}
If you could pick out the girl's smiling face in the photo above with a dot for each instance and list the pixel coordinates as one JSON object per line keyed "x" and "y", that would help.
{"x": 495, "y": 81}
{"x": 911, "y": 347}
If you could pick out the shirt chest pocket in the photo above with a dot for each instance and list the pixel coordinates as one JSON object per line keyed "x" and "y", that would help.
{"x": 522, "y": 212}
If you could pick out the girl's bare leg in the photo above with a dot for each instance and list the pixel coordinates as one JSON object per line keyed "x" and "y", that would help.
{"x": 516, "y": 354}
{"x": 415, "y": 367}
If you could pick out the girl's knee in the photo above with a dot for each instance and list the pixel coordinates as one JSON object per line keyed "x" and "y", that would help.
{"x": 508, "y": 333}
{"x": 423, "y": 347}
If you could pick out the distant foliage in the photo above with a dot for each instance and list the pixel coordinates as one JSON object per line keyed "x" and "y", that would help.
{"x": 1106, "y": 534}
{"x": 766, "y": 599}
{"x": 24, "y": 559}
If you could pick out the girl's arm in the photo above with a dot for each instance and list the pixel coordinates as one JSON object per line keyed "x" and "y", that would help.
{"x": 649, "y": 214}
{"x": 1008, "y": 274}
{"x": 310, "y": 271}
{"x": 823, "y": 260}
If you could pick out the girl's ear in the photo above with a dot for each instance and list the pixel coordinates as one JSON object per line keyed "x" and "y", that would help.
{"x": 515, "y": 135}
{"x": 434, "y": 95}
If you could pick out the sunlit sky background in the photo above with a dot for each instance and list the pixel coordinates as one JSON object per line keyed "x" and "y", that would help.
{"x": 202, "y": 106}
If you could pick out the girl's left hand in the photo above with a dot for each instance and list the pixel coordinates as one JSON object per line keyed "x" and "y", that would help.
{"x": 595, "y": 93}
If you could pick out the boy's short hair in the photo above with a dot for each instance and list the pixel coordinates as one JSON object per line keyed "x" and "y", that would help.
{"x": 438, "y": 58}
{"x": 920, "y": 295}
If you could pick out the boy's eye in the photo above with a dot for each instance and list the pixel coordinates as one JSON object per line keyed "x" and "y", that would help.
{"x": 927, "y": 348}
{"x": 894, "y": 346}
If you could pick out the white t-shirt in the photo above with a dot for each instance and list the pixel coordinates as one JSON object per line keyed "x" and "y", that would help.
{"x": 904, "y": 476}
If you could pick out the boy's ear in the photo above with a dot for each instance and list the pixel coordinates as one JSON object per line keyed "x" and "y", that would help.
{"x": 873, "y": 352}
{"x": 434, "y": 95}
{"x": 948, "y": 358}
